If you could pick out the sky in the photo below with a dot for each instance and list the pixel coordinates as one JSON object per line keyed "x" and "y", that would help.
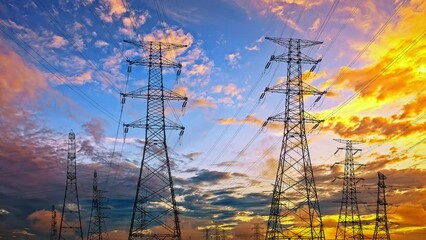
{"x": 63, "y": 66}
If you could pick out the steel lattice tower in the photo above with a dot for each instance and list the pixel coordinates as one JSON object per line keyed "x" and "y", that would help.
{"x": 97, "y": 229}
{"x": 381, "y": 230}
{"x": 349, "y": 225}
{"x": 70, "y": 219}
{"x": 295, "y": 211}
{"x": 53, "y": 230}
{"x": 207, "y": 234}
{"x": 155, "y": 215}
{"x": 217, "y": 233}
{"x": 256, "y": 232}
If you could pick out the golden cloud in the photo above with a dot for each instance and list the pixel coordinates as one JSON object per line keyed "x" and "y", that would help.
{"x": 203, "y": 102}
{"x": 58, "y": 42}
{"x": 372, "y": 127}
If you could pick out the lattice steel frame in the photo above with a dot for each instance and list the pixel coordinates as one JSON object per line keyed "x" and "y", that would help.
{"x": 53, "y": 229}
{"x": 155, "y": 214}
{"x": 295, "y": 211}
{"x": 381, "y": 230}
{"x": 97, "y": 226}
{"x": 70, "y": 218}
{"x": 349, "y": 225}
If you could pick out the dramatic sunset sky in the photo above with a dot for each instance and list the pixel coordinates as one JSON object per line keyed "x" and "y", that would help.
{"x": 63, "y": 65}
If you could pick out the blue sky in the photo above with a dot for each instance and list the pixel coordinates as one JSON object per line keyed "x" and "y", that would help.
{"x": 64, "y": 65}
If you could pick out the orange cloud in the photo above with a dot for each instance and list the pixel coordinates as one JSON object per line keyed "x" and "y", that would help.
{"x": 17, "y": 78}
{"x": 114, "y": 8}
{"x": 200, "y": 69}
{"x": 396, "y": 60}
{"x": 83, "y": 78}
{"x": 203, "y": 102}
{"x": 58, "y": 42}
{"x": 315, "y": 24}
{"x": 413, "y": 108}
{"x": 230, "y": 90}
{"x": 182, "y": 90}
{"x": 233, "y": 58}
{"x": 369, "y": 128}
{"x": 40, "y": 220}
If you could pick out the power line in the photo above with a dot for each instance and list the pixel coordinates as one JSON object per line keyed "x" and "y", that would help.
{"x": 55, "y": 22}
{"x": 55, "y": 72}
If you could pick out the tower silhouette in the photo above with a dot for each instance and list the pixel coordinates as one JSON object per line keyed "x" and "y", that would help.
{"x": 155, "y": 215}
{"x": 256, "y": 232}
{"x": 381, "y": 230}
{"x": 97, "y": 229}
{"x": 206, "y": 233}
{"x": 295, "y": 211}
{"x": 70, "y": 227}
{"x": 53, "y": 229}
{"x": 349, "y": 225}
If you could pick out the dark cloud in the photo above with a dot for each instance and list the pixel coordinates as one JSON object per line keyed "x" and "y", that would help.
{"x": 211, "y": 177}
{"x": 374, "y": 129}
{"x": 193, "y": 155}
{"x": 249, "y": 202}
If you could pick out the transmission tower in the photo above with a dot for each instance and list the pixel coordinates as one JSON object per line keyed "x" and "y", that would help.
{"x": 97, "y": 229}
{"x": 53, "y": 230}
{"x": 295, "y": 211}
{"x": 381, "y": 231}
{"x": 70, "y": 219}
{"x": 207, "y": 234}
{"x": 216, "y": 232}
{"x": 155, "y": 215}
{"x": 349, "y": 224}
{"x": 256, "y": 232}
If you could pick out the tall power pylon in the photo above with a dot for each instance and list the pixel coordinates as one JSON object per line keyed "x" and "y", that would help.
{"x": 295, "y": 211}
{"x": 155, "y": 214}
{"x": 216, "y": 233}
{"x": 70, "y": 227}
{"x": 97, "y": 229}
{"x": 256, "y": 232}
{"x": 349, "y": 225}
{"x": 381, "y": 230}
{"x": 53, "y": 230}
{"x": 206, "y": 234}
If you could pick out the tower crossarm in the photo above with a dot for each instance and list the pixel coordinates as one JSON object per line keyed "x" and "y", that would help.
{"x": 145, "y": 61}
{"x": 306, "y": 117}
{"x": 286, "y": 42}
{"x": 146, "y": 45}
{"x": 294, "y": 57}
{"x": 166, "y": 94}
{"x": 305, "y": 90}
{"x": 142, "y": 123}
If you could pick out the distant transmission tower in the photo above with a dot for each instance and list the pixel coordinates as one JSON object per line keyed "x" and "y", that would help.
{"x": 206, "y": 234}
{"x": 295, "y": 211}
{"x": 381, "y": 231}
{"x": 256, "y": 232}
{"x": 217, "y": 233}
{"x": 155, "y": 215}
{"x": 53, "y": 230}
{"x": 70, "y": 218}
{"x": 97, "y": 229}
{"x": 349, "y": 225}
